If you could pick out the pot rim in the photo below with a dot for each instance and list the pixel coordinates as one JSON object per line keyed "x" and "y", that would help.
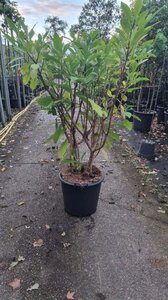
{"x": 80, "y": 185}
{"x": 149, "y": 142}
{"x": 145, "y": 112}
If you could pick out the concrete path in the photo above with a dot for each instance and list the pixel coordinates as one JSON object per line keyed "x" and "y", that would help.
{"x": 119, "y": 253}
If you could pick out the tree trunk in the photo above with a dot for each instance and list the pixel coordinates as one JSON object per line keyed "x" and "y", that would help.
{"x": 90, "y": 163}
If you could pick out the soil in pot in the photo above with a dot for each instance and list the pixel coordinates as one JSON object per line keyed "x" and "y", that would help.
{"x": 80, "y": 191}
{"x": 160, "y": 114}
{"x": 142, "y": 121}
{"x": 147, "y": 149}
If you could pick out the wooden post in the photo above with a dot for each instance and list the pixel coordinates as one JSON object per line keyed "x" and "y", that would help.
{"x": 2, "y": 115}
{"x": 5, "y": 81}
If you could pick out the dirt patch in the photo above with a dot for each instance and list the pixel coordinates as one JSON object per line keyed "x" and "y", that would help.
{"x": 81, "y": 177}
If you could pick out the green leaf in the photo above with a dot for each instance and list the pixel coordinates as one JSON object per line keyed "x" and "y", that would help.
{"x": 130, "y": 90}
{"x": 109, "y": 93}
{"x": 34, "y": 67}
{"x": 9, "y": 38}
{"x": 138, "y": 6}
{"x": 128, "y": 114}
{"x": 114, "y": 136}
{"x": 58, "y": 45}
{"x": 45, "y": 102}
{"x": 139, "y": 79}
{"x": 31, "y": 33}
{"x": 57, "y": 134}
{"x": 126, "y": 124}
{"x": 126, "y": 11}
{"x": 69, "y": 161}
{"x": 11, "y": 24}
{"x": 100, "y": 112}
{"x": 25, "y": 68}
{"x": 26, "y": 78}
{"x": 33, "y": 83}
{"x": 108, "y": 145}
{"x": 63, "y": 149}
{"x": 124, "y": 98}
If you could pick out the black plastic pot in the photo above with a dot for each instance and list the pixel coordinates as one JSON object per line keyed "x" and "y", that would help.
{"x": 147, "y": 149}
{"x": 144, "y": 122}
{"x": 160, "y": 114}
{"x": 80, "y": 200}
{"x": 142, "y": 107}
{"x": 166, "y": 121}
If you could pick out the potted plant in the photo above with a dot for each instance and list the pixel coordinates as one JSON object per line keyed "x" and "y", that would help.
{"x": 150, "y": 93}
{"x": 87, "y": 80}
{"x": 144, "y": 113}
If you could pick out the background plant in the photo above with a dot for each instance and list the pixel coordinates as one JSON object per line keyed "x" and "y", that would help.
{"x": 87, "y": 79}
{"x": 55, "y": 25}
{"x": 156, "y": 68}
{"x": 98, "y": 14}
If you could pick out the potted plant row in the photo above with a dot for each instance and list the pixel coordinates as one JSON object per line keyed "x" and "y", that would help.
{"x": 77, "y": 76}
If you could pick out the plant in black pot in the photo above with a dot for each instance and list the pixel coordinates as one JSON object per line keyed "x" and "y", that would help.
{"x": 144, "y": 113}
{"x": 142, "y": 121}
{"x": 150, "y": 93}
{"x": 77, "y": 76}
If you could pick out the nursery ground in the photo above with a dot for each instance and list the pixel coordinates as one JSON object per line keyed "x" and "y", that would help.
{"x": 159, "y": 165}
{"x": 119, "y": 253}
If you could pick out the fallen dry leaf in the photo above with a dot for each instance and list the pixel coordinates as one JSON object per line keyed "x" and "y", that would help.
{"x": 15, "y": 284}
{"x": 140, "y": 193}
{"x": 63, "y": 234}
{"x": 21, "y": 258}
{"x": 150, "y": 173}
{"x": 20, "y": 203}
{"x": 50, "y": 187}
{"x": 15, "y": 263}
{"x": 33, "y": 287}
{"x": 70, "y": 295}
{"x": 47, "y": 227}
{"x": 161, "y": 211}
{"x": 38, "y": 243}
{"x": 44, "y": 161}
{"x": 66, "y": 245}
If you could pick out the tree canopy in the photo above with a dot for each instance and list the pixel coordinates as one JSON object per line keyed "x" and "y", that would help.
{"x": 55, "y": 25}
{"x": 98, "y": 14}
{"x": 159, "y": 32}
{"x": 9, "y": 9}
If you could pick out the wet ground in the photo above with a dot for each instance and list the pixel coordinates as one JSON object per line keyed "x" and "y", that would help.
{"x": 119, "y": 253}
